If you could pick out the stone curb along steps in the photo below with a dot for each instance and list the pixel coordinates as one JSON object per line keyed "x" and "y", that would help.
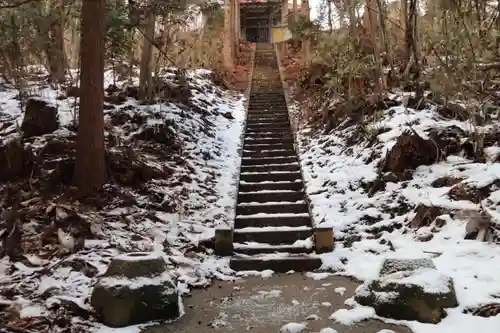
{"x": 272, "y": 228}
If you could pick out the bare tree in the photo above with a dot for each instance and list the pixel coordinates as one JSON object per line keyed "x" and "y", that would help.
{"x": 145, "y": 76}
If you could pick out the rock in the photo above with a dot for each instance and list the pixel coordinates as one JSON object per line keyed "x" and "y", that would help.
{"x": 228, "y": 115}
{"x": 409, "y": 289}
{"x": 161, "y": 133}
{"x": 487, "y": 310}
{"x": 454, "y": 111}
{"x": 73, "y": 92}
{"x": 116, "y": 98}
{"x": 16, "y": 160}
{"x": 135, "y": 289}
{"x": 39, "y": 118}
{"x": 424, "y": 235}
{"x": 425, "y": 215}
{"x": 410, "y": 152}
{"x": 449, "y": 139}
{"x": 470, "y": 192}
{"x": 446, "y": 181}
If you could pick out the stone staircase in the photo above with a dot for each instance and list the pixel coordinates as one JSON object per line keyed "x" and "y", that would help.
{"x": 272, "y": 228}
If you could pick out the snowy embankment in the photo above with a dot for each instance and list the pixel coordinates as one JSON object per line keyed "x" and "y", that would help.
{"x": 373, "y": 210}
{"x": 172, "y": 167}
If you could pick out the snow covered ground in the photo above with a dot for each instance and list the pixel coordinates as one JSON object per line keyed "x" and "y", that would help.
{"x": 370, "y": 226}
{"x": 197, "y": 159}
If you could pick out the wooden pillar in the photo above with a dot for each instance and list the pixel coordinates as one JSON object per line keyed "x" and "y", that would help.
{"x": 237, "y": 18}
{"x": 236, "y": 26}
{"x": 270, "y": 26}
{"x": 294, "y": 10}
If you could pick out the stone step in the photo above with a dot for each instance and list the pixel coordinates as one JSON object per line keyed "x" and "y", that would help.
{"x": 274, "y": 186}
{"x": 270, "y": 104}
{"x": 278, "y": 265}
{"x": 267, "y": 114}
{"x": 248, "y": 250}
{"x": 270, "y": 146}
{"x": 268, "y": 98}
{"x": 285, "y": 220}
{"x": 271, "y": 167}
{"x": 255, "y": 139}
{"x": 254, "y": 118}
{"x": 270, "y": 129}
{"x": 266, "y": 132}
{"x": 269, "y": 153}
{"x": 265, "y": 126}
{"x": 274, "y": 237}
{"x": 276, "y": 208}
{"x": 270, "y": 176}
{"x": 268, "y": 160}
{"x": 290, "y": 196}
{"x": 267, "y": 107}
{"x": 272, "y": 124}
{"x": 265, "y": 111}
{"x": 263, "y": 97}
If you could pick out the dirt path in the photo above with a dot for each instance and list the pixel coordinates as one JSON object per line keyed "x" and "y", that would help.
{"x": 259, "y": 305}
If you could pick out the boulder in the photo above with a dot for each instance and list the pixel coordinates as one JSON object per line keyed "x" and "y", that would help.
{"x": 410, "y": 152}
{"x": 39, "y": 118}
{"x": 425, "y": 215}
{"x": 136, "y": 288}
{"x": 409, "y": 289}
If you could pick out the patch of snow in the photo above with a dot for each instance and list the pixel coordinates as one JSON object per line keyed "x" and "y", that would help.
{"x": 334, "y": 173}
{"x": 352, "y": 316}
{"x": 431, "y": 280}
{"x": 318, "y": 276}
{"x": 313, "y": 317}
{"x": 340, "y": 290}
{"x": 32, "y": 311}
{"x": 293, "y": 327}
{"x": 328, "y": 330}
{"x": 200, "y": 189}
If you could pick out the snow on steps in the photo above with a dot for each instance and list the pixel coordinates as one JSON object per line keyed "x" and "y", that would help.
{"x": 273, "y": 226}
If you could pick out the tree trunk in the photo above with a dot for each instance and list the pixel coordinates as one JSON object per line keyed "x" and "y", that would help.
{"x": 227, "y": 50}
{"x": 383, "y": 34}
{"x": 372, "y": 17}
{"x": 352, "y": 24}
{"x": 145, "y": 76}
{"x": 330, "y": 18}
{"x": 412, "y": 35}
{"x": 90, "y": 168}
{"x": 406, "y": 32}
{"x": 306, "y": 43}
{"x": 54, "y": 47}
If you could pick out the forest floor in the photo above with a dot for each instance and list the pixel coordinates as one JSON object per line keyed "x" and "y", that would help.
{"x": 401, "y": 182}
{"x": 172, "y": 167}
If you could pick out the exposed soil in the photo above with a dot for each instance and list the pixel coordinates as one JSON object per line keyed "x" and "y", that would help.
{"x": 264, "y": 305}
